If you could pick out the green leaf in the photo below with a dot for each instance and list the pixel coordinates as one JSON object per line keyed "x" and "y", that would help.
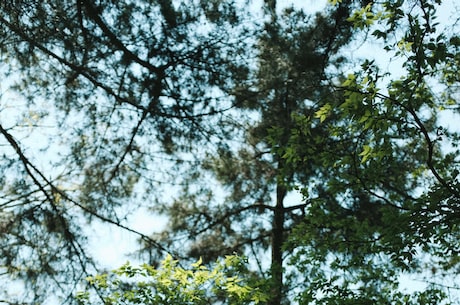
{"x": 366, "y": 153}
{"x": 323, "y": 112}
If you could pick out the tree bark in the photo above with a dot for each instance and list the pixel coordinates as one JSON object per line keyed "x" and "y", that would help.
{"x": 277, "y": 243}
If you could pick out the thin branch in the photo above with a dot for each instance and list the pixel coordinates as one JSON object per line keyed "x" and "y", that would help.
{"x": 297, "y": 207}
{"x": 93, "y": 14}
{"x": 55, "y": 190}
{"x": 423, "y": 130}
{"x": 8, "y": 203}
{"x": 87, "y": 74}
{"x": 232, "y": 213}
{"x": 30, "y": 169}
{"x": 429, "y": 142}
{"x": 128, "y": 147}
{"x": 27, "y": 165}
{"x": 438, "y": 284}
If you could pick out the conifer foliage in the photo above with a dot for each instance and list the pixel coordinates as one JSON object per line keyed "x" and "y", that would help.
{"x": 253, "y": 128}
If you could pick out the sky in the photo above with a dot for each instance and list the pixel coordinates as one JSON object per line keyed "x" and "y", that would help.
{"x": 111, "y": 244}
{"x": 110, "y": 250}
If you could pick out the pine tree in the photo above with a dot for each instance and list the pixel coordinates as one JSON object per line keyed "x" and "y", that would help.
{"x": 99, "y": 94}
{"x": 294, "y": 53}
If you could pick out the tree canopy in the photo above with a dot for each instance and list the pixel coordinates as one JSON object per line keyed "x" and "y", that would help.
{"x": 255, "y": 131}
{"x": 107, "y": 90}
{"x": 387, "y": 204}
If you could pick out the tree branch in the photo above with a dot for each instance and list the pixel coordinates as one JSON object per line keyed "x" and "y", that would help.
{"x": 93, "y": 14}
{"x": 55, "y": 190}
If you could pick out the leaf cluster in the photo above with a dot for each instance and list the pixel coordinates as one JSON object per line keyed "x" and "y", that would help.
{"x": 172, "y": 284}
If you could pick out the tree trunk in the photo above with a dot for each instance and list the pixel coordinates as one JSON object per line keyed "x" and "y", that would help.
{"x": 277, "y": 243}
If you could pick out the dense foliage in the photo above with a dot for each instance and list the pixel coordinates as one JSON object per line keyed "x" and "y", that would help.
{"x": 258, "y": 131}
{"x": 386, "y": 203}
{"x": 254, "y": 216}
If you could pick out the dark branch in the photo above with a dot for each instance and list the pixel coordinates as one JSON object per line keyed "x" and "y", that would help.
{"x": 93, "y": 14}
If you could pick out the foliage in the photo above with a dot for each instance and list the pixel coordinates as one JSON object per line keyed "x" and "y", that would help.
{"x": 387, "y": 200}
{"x": 97, "y": 96}
{"x": 253, "y": 217}
{"x": 135, "y": 102}
{"x": 171, "y": 284}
